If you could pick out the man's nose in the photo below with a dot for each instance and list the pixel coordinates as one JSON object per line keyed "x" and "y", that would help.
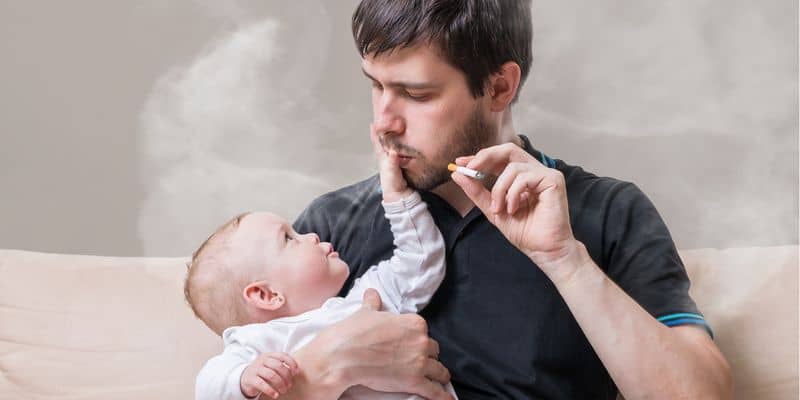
{"x": 387, "y": 119}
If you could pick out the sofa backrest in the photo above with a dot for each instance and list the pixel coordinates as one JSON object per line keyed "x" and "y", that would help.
{"x": 84, "y": 327}
{"x": 87, "y": 327}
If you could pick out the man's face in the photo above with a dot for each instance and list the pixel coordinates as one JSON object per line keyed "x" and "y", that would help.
{"x": 423, "y": 108}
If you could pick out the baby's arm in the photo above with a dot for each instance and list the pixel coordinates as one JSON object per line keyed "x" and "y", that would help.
{"x": 239, "y": 373}
{"x": 408, "y": 280}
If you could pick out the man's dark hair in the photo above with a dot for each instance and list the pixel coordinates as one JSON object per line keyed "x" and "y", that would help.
{"x": 475, "y": 36}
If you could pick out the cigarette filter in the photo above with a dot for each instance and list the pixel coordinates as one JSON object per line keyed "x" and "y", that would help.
{"x": 466, "y": 171}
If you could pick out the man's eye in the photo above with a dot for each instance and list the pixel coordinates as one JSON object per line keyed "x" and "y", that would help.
{"x": 417, "y": 97}
{"x": 376, "y": 85}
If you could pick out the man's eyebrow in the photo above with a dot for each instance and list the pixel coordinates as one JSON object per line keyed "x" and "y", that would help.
{"x": 400, "y": 84}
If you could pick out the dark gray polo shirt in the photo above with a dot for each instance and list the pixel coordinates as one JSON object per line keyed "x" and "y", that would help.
{"x": 504, "y": 331}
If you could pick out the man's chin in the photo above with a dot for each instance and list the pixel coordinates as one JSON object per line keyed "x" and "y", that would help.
{"x": 425, "y": 182}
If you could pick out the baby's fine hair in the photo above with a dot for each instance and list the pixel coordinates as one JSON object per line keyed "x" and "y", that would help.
{"x": 211, "y": 288}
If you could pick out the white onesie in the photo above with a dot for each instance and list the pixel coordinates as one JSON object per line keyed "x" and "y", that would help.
{"x": 405, "y": 282}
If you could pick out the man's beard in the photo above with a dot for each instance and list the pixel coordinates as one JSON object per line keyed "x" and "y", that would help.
{"x": 475, "y": 134}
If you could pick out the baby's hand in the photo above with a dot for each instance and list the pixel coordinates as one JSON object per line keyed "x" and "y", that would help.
{"x": 270, "y": 374}
{"x": 393, "y": 184}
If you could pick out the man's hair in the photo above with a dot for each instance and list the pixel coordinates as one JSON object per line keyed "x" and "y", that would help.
{"x": 474, "y": 36}
{"x": 213, "y": 286}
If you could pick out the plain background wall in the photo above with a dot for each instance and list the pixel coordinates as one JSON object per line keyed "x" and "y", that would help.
{"x": 135, "y": 128}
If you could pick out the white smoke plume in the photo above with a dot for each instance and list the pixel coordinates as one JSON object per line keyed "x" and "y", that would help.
{"x": 240, "y": 128}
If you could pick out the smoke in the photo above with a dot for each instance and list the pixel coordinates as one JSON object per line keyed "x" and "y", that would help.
{"x": 241, "y": 128}
{"x": 664, "y": 68}
{"x": 695, "y": 101}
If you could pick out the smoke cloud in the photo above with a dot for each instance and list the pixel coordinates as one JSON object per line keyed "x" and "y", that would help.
{"x": 241, "y": 128}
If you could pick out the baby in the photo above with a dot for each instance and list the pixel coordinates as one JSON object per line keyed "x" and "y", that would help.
{"x": 269, "y": 290}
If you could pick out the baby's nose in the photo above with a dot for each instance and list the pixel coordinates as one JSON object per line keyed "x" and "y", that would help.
{"x": 314, "y": 237}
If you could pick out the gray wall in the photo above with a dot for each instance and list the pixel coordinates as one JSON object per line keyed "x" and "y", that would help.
{"x": 135, "y": 128}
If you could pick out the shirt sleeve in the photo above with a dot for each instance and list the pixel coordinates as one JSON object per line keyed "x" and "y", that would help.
{"x": 643, "y": 260}
{"x": 221, "y": 375}
{"x": 408, "y": 280}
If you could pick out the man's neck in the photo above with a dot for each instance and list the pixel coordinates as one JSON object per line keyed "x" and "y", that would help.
{"x": 452, "y": 193}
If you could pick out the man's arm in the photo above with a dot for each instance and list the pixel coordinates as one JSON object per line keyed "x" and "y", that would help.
{"x": 380, "y": 350}
{"x": 646, "y": 359}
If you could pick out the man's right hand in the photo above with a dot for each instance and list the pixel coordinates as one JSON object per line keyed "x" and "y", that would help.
{"x": 387, "y": 352}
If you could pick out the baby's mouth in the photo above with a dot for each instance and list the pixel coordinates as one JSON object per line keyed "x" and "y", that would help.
{"x": 330, "y": 252}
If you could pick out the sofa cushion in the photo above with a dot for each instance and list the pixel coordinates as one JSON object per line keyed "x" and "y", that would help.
{"x": 749, "y": 297}
{"x": 84, "y": 327}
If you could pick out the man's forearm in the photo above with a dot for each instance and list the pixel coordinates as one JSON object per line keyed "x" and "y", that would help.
{"x": 645, "y": 358}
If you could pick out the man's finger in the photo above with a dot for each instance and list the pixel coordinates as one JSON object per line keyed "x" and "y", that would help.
{"x": 495, "y": 158}
{"x": 492, "y": 159}
{"x": 431, "y": 390}
{"x": 433, "y": 349}
{"x": 372, "y": 300}
{"x": 436, "y": 371}
{"x": 475, "y": 191}
{"x": 503, "y": 183}
{"x": 518, "y": 192}
{"x": 463, "y": 160}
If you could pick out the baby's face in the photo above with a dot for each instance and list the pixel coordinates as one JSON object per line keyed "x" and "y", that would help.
{"x": 306, "y": 270}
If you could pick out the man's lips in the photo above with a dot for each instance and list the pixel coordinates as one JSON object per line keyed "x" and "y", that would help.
{"x": 404, "y": 160}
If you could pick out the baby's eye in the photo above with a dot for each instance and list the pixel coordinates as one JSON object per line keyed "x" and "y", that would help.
{"x": 288, "y": 238}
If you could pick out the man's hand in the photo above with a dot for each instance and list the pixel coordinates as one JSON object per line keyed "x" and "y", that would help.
{"x": 270, "y": 374}
{"x": 393, "y": 185}
{"x": 387, "y": 352}
{"x": 528, "y": 203}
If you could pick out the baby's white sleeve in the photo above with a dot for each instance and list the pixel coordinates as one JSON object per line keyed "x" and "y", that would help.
{"x": 408, "y": 280}
{"x": 220, "y": 376}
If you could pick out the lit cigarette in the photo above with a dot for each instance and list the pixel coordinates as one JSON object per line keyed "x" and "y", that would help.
{"x": 466, "y": 171}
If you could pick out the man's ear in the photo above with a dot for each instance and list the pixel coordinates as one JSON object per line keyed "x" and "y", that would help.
{"x": 261, "y": 295}
{"x": 503, "y": 85}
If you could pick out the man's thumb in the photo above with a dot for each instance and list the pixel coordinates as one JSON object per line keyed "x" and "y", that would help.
{"x": 372, "y": 300}
{"x": 475, "y": 191}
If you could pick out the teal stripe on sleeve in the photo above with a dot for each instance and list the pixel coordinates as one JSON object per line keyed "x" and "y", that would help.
{"x": 679, "y": 315}
{"x": 678, "y": 319}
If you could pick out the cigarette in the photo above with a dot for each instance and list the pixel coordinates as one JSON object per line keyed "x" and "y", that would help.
{"x": 466, "y": 171}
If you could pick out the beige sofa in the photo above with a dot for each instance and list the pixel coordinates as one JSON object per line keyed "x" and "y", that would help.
{"x": 85, "y": 327}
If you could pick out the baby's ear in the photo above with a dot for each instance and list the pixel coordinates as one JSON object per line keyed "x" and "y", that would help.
{"x": 261, "y": 295}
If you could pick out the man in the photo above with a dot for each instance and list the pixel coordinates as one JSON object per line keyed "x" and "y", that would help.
{"x": 559, "y": 284}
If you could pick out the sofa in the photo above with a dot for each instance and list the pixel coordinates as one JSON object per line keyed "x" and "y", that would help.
{"x": 85, "y": 327}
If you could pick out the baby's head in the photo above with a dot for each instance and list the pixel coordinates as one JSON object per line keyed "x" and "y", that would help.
{"x": 255, "y": 268}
